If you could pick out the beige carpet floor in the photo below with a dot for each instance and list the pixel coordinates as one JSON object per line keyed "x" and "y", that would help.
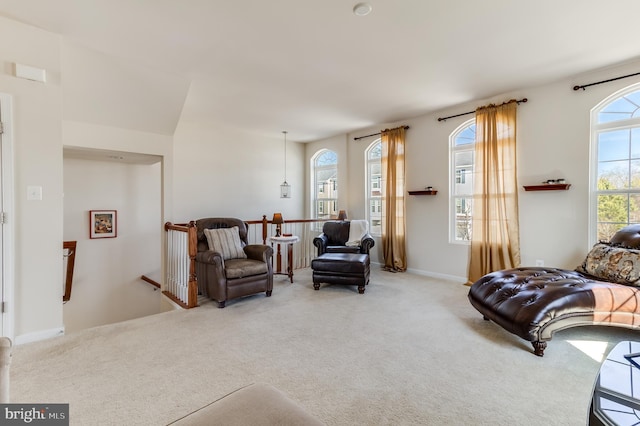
{"x": 410, "y": 351}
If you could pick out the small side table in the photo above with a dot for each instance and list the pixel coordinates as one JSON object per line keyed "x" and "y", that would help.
{"x": 289, "y": 241}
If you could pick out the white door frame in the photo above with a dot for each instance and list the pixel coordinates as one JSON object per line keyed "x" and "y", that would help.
{"x": 8, "y": 225}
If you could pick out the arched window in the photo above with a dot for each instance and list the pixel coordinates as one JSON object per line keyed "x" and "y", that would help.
{"x": 373, "y": 192}
{"x": 615, "y": 166}
{"x": 462, "y": 146}
{"x": 325, "y": 184}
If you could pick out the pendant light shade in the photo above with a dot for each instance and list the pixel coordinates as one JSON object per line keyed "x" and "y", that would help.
{"x": 285, "y": 188}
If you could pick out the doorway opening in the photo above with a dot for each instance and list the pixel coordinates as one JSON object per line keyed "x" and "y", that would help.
{"x": 107, "y": 285}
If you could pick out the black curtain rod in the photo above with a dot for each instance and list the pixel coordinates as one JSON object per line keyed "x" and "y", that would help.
{"x": 584, "y": 86}
{"x": 473, "y": 112}
{"x": 373, "y": 134}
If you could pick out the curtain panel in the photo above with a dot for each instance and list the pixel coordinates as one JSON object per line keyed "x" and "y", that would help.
{"x": 393, "y": 200}
{"x": 495, "y": 239}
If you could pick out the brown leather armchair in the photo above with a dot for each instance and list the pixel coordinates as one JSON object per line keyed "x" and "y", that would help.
{"x": 221, "y": 279}
{"x": 334, "y": 237}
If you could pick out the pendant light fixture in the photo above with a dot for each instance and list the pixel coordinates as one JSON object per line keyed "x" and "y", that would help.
{"x": 285, "y": 188}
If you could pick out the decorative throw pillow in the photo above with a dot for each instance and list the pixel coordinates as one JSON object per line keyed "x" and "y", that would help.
{"x": 225, "y": 241}
{"x": 615, "y": 264}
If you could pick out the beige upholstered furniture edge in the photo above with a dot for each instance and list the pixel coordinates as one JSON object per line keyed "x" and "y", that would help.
{"x": 256, "y": 404}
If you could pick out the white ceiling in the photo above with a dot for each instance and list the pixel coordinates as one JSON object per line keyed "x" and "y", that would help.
{"x": 317, "y": 70}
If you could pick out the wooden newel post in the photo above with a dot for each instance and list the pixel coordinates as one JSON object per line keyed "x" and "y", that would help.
{"x": 264, "y": 228}
{"x": 193, "y": 249}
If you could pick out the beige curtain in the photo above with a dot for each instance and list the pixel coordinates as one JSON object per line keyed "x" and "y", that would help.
{"x": 393, "y": 210}
{"x": 495, "y": 240}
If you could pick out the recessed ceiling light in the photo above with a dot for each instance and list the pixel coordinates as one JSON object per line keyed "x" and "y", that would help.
{"x": 362, "y": 9}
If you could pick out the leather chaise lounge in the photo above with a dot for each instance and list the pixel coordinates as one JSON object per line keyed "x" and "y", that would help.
{"x": 533, "y": 303}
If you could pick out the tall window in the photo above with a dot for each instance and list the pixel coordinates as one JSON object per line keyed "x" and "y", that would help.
{"x": 325, "y": 183}
{"x": 615, "y": 169}
{"x": 373, "y": 190}
{"x": 462, "y": 143}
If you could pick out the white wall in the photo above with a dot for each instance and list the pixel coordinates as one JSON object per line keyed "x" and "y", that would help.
{"x": 113, "y": 105}
{"x": 39, "y": 119}
{"x": 553, "y": 142}
{"x": 112, "y": 92}
{"x": 38, "y": 161}
{"x": 224, "y": 172}
{"x": 106, "y": 284}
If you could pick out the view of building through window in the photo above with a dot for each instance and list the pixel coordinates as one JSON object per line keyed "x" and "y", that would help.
{"x": 325, "y": 177}
{"x": 616, "y": 138}
{"x": 462, "y": 157}
{"x": 617, "y": 149}
{"x": 374, "y": 191}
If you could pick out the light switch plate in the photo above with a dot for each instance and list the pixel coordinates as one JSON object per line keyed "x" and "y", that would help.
{"x": 34, "y": 193}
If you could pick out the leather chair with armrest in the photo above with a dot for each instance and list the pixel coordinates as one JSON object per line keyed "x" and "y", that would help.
{"x": 334, "y": 237}
{"x": 342, "y": 258}
{"x": 221, "y": 279}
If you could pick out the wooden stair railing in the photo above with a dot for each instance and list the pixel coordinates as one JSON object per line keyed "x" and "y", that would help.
{"x": 181, "y": 285}
{"x": 151, "y": 281}
{"x": 306, "y": 229}
{"x": 70, "y": 260}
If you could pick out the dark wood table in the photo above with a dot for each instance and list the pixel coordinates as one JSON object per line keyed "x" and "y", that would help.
{"x": 289, "y": 240}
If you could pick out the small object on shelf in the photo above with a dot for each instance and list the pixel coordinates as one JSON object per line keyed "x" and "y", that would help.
{"x": 548, "y": 187}
{"x": 427, "y": 191}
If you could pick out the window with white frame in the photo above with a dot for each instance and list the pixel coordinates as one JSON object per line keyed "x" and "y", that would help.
{"x": 462, "y": 145}
{"x": 373, "y": 191}
{"x": 325, "y": 178}
{"x": 615, "y": 167}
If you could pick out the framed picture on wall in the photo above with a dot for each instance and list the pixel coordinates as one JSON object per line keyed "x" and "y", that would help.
{"x": 103, "y": 223}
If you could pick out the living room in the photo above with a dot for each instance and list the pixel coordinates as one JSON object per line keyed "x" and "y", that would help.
{"x": 212, "y": 165}
{"x": 135, "y": 109}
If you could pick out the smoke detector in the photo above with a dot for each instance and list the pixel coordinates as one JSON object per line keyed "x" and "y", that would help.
{"x": 362, "y": 9}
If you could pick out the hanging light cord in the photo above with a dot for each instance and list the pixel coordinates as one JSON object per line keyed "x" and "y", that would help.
{"x": 285, "y": 155}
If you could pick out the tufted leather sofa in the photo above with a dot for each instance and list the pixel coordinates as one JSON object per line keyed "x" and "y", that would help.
{"x": 535, "y": 302}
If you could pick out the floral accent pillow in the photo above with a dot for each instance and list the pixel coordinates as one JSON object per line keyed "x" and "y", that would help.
{"x": 615, "y": 264}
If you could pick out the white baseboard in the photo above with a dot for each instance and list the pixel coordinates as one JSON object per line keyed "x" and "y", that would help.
{"x": 461, "y": 280}
{"x": 39, "y": 335}
{"x": 169, "y": 305}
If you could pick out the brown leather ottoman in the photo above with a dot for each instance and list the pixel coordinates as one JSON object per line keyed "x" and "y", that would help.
{"x": 341, "y": 268}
